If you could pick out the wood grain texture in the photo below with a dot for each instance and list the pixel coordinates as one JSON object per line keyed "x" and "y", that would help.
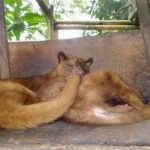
{"x": 123, "y": 53}
{"x": 144, "y": 17}
{"x": 4, "y": 53}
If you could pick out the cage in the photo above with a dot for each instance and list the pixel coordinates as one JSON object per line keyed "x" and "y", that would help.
{"x": 125, "y": 53}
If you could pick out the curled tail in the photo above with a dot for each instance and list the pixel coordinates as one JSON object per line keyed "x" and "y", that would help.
{"x": 29, "y": 116}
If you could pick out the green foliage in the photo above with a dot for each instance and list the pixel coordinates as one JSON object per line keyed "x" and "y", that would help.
{"x": 22, "y": 21}
{"x": 109, "y": 10}
{"x": 97, "y": 9}
{"x": 69, "y": 8}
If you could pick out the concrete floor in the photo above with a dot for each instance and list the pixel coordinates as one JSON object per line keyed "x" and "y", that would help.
{"x": 61, "y": 135}
{"x": 72, "y": 147}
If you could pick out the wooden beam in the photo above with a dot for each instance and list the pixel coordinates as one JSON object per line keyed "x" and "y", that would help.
{"x": 133, "y": 15}
{"x": 44, "y": 7}
{"x": 49, "y": 14}
{"x": 144, "y": 17}
{"x": 4, "y": 52}
{"x": 52, "y": 23}
{"x": 101, "y": 22}
{"x": 96, "y": 27}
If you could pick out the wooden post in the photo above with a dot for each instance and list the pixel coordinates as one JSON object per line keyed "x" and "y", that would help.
{"x": 53, "y": 33}
{"x": 144, "y": 17}
{"x": 49, "y": 14}
{"x": 4, "y": 52}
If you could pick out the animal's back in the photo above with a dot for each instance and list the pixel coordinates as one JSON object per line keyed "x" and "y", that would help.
{"x": 104, "y": 98}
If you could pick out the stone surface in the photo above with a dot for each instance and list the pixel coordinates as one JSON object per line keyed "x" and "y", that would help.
{"x": 63, "y": 135}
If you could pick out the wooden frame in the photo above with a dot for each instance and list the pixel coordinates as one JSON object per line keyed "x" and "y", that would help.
{"x": 144, "y": 16}
{"x": 124, "y": 53}
{"x": 54, "y": 25}
{"x": 143, "y": 12}
{"x": 4, "y": 52}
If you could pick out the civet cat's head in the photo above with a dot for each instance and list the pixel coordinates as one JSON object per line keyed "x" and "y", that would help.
{"x": 70, "y": 64}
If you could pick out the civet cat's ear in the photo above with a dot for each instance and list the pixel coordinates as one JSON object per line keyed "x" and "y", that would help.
{"x": 89, "y": 62}
{"x": 61, "y": 56}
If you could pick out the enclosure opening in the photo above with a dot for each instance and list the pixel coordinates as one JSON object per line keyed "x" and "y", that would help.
{"x": 99, "y": 17}
{"x": 61, "y": 19}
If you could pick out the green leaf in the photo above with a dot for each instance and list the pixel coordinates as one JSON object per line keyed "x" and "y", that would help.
{"x": 12, "y": 3}
{"x": 26, "y": 9}
{"x": 9, "y": 2}
{"x": 30, "y": 37}
{"x": 58, "y": 17}
{"x": 19, "y": 17}
{"x": 16, "y": 28}
{"x": 17, "y": 34}
{"x": 33, "y": 18}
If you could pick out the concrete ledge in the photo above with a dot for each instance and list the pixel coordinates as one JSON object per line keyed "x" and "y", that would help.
{"x": 63, "y": 135}
{"x": 72, "y": 147}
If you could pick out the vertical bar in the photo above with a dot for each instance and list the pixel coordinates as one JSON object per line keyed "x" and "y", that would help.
{"x": 4, "y": 52}
{"x": 52, "y": 22}
{"x": 144, "y": 17}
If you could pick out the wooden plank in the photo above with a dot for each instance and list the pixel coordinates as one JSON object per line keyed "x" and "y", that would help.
{"x": 96, "y": 27}
{"x": 123, "y": 53}
{"x": 144, "y": 17}
{"x": 4, "y": 53}
{"x": 44, "y": 7}
{"x": 52, "y": 22}
{"x": 49, "y": 14}
{"x": 101, "y": 22}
